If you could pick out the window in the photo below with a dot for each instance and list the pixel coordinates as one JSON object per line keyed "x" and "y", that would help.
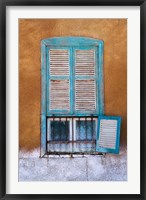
{"x": 59, "y": 135}
{"x": 72, "y": 94}
{"x": 71, "y": 135}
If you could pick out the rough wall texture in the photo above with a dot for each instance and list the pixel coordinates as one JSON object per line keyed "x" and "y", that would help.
{"x": 77, "y": 168}
{"x": 31, "y": 32}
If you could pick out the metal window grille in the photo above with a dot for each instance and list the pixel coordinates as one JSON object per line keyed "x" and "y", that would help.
{"x": 71, "y": 134}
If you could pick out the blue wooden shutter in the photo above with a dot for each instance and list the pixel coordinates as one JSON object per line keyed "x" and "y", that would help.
{"x": 58, "y": 80}
{"x": 86, "y": 94}
{"x": 108, "y": 134}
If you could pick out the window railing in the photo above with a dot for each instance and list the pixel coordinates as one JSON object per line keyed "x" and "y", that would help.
{"x": 71, "y": 134}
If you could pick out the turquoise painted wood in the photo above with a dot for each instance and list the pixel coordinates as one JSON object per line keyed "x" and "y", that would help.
{"x": 71, "y": 41}
{"x": 43, "y": 100}
{"x": 100, "y": 148}
{"x": 71, "y": 44}
{"x": 72, "y": 89}
{"x": 100, "y": 78}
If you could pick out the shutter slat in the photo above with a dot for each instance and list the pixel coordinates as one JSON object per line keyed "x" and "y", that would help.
{"x": 85, "y": 95}
{"x": 59, "y": 62}
{"x": 59, "y": 95}
{"x": 105, "y": 134}
{"x": 108, "y": 134}
{"x": 85, "y": 62}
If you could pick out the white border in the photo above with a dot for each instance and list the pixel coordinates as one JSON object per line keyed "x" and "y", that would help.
{"x": 132, "y": 186}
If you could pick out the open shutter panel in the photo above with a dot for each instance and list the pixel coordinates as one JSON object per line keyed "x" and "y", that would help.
{"x": 59, "y": 90}
{"x": 85, "y": 83}
{"x": 108, "y": 134}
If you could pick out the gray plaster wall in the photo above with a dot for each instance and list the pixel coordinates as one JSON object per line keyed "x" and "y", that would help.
{"x": 109, "y": 167}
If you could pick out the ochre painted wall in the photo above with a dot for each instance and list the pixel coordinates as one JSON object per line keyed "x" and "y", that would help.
{"x": 31, "y": 31}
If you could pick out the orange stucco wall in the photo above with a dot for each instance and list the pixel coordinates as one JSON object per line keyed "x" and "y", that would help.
{"x": 31, "y": 31}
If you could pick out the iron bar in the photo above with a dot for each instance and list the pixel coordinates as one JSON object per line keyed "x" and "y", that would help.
{"x": 92, "y": 133}
{"x": 77, "y": 143}
{"x": 53, "y": 128}
{"x": 66, "y": 129}
{"x": 67, "y": 142}
{"x": 79, "y": 134}
{"x": 86, "y": 127}
{"x": 60, "y": 134}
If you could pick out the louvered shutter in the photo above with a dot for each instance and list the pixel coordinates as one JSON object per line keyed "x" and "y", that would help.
{"x": 59, "y": 95}
{"x": 59, "y": 80}
{"x": 108, "y": 134}
{"x": 85, "y": 62}
{"x": 85, "y": 80}
{"x": 59, "y": 62}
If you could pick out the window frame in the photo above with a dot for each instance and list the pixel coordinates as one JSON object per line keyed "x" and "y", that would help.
{"x": 67, "y": 42}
